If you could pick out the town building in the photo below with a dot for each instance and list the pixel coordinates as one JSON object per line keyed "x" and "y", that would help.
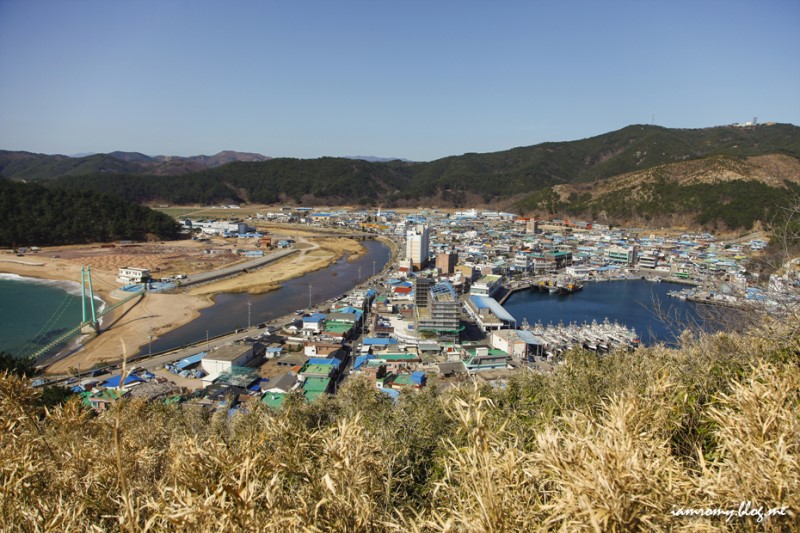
{"x": 436, "y": 309}
{"x": 621, "y": 255}
{"x": 446, "y": 262}
{"x": 488, "y": 313}
{"x": 417, "y": 245}
{"x": 520, "y": 344}
{"x": 224, "y": 358}
{"x": 130, "y": 275}
{"x": 484, "y": 358}
{"x": 487, "y": 286}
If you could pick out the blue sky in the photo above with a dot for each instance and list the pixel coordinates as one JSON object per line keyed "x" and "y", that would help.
{"x": 413, "y": 79}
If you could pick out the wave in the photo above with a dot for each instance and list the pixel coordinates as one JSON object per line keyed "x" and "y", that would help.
{"x": 73, "y": 288}
{"x": 70, "y": 287}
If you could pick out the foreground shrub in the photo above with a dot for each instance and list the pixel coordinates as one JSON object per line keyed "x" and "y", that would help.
{"x": 619, "y": 443}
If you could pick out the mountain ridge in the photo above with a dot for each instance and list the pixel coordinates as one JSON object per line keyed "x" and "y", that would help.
{"x": 34, "y": 166}
{"x": 522, "y": 178}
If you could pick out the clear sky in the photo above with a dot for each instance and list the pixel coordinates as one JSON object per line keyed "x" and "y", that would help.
{"x": 415, "y": 79}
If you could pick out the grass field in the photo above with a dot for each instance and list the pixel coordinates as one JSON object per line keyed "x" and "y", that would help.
{"x": 211, "y": 212}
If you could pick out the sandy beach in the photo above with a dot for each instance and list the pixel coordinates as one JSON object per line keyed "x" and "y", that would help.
{"x": 128, "y": 328}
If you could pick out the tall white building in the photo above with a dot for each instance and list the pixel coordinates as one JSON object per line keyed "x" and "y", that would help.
{"x": 417, "y": 245}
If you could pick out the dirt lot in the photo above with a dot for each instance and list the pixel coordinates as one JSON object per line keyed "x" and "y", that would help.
{"x": 161, "y": 258}
{"x": 129, "y": 326}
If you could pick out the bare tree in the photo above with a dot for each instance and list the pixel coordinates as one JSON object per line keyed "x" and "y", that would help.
{"x": 778, "y": 271}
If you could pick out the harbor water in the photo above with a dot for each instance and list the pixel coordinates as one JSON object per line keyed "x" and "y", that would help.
{"x": 638, "y": 304}
{"x": 33, "y": 312}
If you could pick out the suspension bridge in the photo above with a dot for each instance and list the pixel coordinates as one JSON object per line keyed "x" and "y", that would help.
{"x": 90, "y": 321}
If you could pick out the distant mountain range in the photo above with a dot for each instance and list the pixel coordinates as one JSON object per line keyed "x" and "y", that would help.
{"x": 31, "y": 166}
{"x": 728, "y": 176}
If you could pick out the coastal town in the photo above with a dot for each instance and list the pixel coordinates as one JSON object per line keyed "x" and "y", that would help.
{"x": 433, "y": 315}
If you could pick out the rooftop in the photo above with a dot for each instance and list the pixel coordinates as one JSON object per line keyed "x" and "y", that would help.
{"x": 229, "y": 352}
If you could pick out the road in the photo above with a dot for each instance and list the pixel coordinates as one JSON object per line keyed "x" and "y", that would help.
{"x": 204, "y": 277}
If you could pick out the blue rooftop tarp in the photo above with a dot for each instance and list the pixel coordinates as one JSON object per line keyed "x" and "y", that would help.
{"x": 529, "y": 338}
{"x": 157, "y": 286}
{"x": 351, "y": 310}
{"x": 316, "y": 317}
{"x": 361, "y": 360}
{"x": 484, "y": 302}
{"x": 332, "y": 361}
{"x": 113, "y": 381}
{"x": 374, "y": 341}
{"x": 391, "y": 393}
{"x": 189, "y": 361}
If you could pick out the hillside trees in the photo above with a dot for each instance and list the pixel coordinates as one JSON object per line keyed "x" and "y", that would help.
{"x": 36, "y": 216}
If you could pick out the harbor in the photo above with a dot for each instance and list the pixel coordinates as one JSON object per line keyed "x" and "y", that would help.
{"x": 550, "y": 284}
{"x": 638, "y": 304}
{"x": 597, "y": 337}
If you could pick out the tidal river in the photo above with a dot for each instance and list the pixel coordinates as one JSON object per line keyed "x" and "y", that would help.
{"x": 230, "y": 311}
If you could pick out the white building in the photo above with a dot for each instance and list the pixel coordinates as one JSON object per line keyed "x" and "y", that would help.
{"x": 522, "y": 261}
{"x": 648, "y": 260}
{"x": 224, "y": 358}
{"x": 519, "y": 344}
{"x": 580, "y": 272}
{"x": 487, "y": 286}
{"x": 417, "y": 245}
{"x": 132, "y": 275}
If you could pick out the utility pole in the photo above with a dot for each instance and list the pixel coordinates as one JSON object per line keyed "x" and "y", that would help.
{"x": 309, "y": 297}
{"x": 249, "y": 305}
{"x": 373, "y": 269}
{"x": 359, "y": 274}
{"x": 208, "y": 346}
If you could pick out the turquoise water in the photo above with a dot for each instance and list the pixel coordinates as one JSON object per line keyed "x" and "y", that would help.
{"x": 34, "y": 312}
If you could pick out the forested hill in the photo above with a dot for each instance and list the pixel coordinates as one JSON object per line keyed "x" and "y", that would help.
{"x": 492, "y": 176}
{"x": 30, "y": 166}
{"x": 278, "y": 180}
{"x": 515, "y": 178}
{"x": 35, "y": 216}
{"x": 638, "y": 147}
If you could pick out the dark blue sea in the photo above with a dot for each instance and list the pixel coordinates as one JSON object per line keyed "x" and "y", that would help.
{"x": 639, "y": 304}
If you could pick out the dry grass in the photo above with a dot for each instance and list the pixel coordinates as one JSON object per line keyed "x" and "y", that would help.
{"x": 612, "y": 444}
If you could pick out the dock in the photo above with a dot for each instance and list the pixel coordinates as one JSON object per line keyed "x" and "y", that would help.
{"x": 598, "y": 337}
{"x": 551, "y": 284}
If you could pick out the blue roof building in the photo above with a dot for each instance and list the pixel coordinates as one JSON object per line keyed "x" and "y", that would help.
{"x": 186, "y": 362}
{"x": 114, "y": 381}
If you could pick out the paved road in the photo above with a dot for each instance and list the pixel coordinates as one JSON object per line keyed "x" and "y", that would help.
{"x": 204, "y": 277}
